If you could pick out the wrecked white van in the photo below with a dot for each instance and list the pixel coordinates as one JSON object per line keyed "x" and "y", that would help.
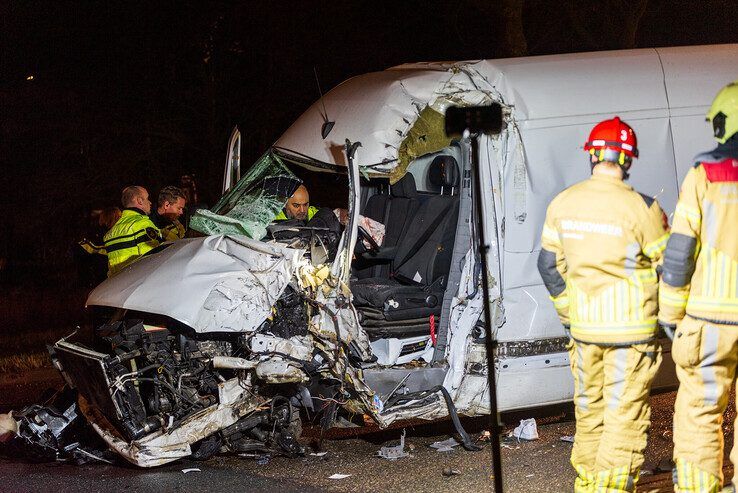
{"x": 222, "y": 342}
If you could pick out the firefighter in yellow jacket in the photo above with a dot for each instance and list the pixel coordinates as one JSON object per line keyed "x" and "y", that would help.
{"x": 600, "y": 246}
{"x": 133, "y": 235}
{"x": 699, "y": 297}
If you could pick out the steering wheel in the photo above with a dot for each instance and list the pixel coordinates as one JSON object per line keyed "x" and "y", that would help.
{"x": 364, "y": 235}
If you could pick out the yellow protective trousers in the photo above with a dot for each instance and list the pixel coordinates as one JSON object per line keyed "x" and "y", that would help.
{"x": 611, "y": 390}
{"x": 706, "y": 356}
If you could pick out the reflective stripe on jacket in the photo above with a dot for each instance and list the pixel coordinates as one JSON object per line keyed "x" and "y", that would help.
{"x": 131, "y": 237}
{"x": 283, "y": 217}
{"x": 600, "y": 246}
{"x": 700, "y": 274}
{"x": 92, "y": 248}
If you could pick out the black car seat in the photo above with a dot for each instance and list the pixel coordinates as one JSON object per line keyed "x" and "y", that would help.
{"x": 400, "y": 305}
{"x": 395, "y": 210}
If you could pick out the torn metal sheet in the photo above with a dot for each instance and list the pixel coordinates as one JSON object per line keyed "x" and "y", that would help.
{"x": 224, "y": 283}
{"x": 166, "y": 446}
{"x": 53, "y": 432}
{"x": 445, "y": 445}
{"x": 394, "y": 452}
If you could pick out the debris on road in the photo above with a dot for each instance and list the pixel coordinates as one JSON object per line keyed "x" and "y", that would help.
{"x": 338, "y": 476}
{"x": 191, "y": 469}
{"x": 394, "y": 452}
{"x": 448, "y": 472}
{"x": 567, "y": 438}
{"x": 526, "y": 430}
{"x": 53, "y": 432}
{"x": 445, "y": 445}
{"x": 318, "y": 454}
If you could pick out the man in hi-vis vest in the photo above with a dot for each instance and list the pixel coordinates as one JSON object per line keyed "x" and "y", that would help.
{"x": 600, "y": 246}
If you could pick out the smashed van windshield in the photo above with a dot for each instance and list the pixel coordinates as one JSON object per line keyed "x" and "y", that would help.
{"x": 252, "y": 204}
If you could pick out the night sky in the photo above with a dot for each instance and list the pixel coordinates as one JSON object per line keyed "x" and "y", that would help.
{"x": 95, "y": 96}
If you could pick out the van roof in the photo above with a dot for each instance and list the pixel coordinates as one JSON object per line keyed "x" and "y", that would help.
{"x": 379, "y": 109}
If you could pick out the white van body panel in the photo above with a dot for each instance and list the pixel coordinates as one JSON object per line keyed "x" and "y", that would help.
{"x": 553, "y": 102}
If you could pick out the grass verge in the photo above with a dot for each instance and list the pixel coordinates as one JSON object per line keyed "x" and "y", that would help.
{"x": 23, "y": 362}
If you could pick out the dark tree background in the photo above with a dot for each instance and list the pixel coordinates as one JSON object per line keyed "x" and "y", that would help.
{"x": 95, "y": 96}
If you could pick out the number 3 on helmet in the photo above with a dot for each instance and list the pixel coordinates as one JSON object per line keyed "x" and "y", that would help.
{"x": 612, "y": 140}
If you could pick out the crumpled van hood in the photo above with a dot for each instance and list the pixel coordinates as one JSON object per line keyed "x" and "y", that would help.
{"x": 223, "y": 283}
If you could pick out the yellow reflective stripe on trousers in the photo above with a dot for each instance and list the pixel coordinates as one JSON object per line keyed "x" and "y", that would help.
{"x": 614, "y": 480}
{"x": 585, "y": 482}
{"x": 691, "y": 479}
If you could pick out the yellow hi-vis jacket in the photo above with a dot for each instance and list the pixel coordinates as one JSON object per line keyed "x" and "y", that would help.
{"x": 600, "y": 246}
{"x": 131, "y": 237}
{"x": 700, "y": 276}
{"x": 283, "y": 217}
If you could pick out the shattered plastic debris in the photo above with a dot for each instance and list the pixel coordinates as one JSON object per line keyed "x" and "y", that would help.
{"x": 445, "y": 445}
{"x": 448, "y": 472}
{"x": 338, "y": 476}
{"x": 394, "y": 452}
{"x": 526, "y": 430}
{"x": 191, "y": 469}
{"x": 55, "y": 431}
{"x": 318, "y": 454}
{"x": 567, "y": 438}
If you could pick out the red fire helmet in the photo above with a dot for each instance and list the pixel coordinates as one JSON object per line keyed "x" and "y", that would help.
{"x": 612, "y": 140}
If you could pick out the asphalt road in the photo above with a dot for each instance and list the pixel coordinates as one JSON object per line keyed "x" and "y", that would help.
{"x": 536, "y": 466}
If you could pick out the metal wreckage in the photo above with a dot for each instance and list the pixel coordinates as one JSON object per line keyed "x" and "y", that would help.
{"x": 222, "y": 342}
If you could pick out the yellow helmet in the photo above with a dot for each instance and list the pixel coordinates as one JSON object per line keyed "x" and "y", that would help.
{"x": 723, "y": 113}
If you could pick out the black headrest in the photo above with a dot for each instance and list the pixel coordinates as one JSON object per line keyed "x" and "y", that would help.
{"x": 444, "y": 172}
{"x": 405, "y": 187}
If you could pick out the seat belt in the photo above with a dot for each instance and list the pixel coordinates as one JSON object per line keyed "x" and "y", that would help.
{"x": 432, "y": 226}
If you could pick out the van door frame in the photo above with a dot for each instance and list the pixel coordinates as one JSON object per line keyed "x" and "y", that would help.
{"x": 233, "y": 161}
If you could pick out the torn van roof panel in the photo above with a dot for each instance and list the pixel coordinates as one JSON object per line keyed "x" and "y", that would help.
{"x": 213, "y": 284}
{"x": 376, "y": 109}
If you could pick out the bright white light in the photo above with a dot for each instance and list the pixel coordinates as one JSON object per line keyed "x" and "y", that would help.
{"x": 30, "y": 77}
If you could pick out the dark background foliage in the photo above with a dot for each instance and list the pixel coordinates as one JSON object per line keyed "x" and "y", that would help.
{"x": 143, "y": 92}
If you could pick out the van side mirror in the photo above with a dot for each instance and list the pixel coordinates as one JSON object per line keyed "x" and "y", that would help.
{"x": 476, "y": 119}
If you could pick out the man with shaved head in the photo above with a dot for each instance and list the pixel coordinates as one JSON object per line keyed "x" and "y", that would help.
{"x": 134, "y": 234}
{"x": 298, "y": 206}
